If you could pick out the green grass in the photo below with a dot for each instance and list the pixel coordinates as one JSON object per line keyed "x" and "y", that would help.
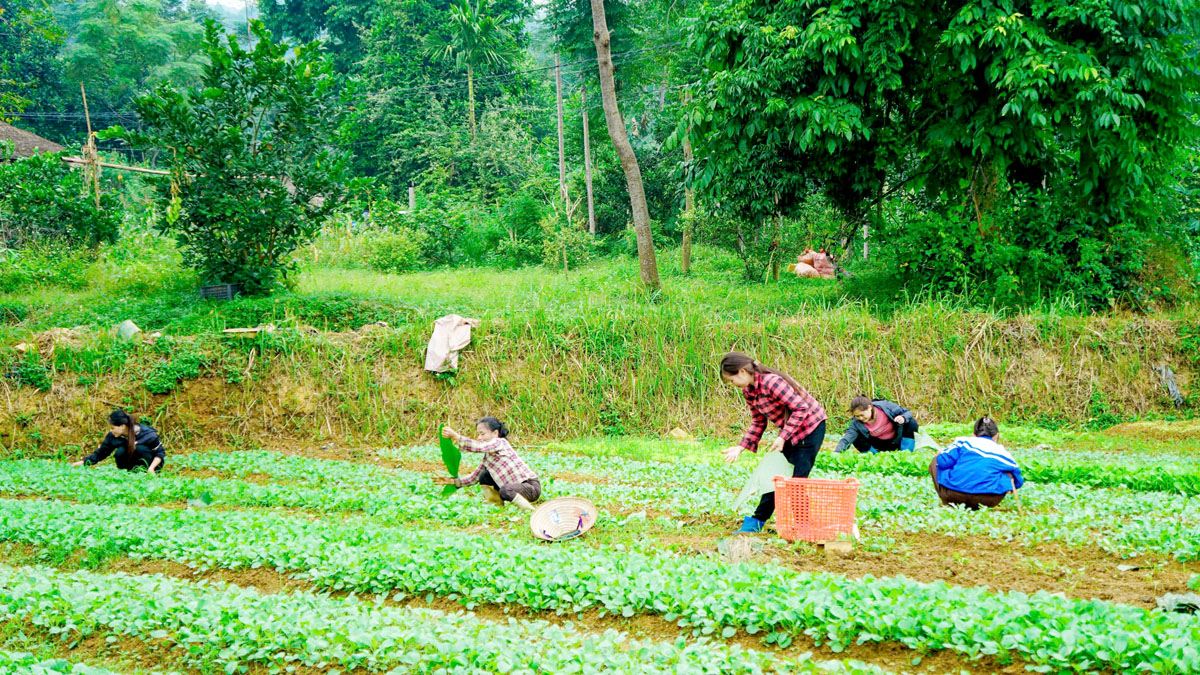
{"x": 588, "y": 352}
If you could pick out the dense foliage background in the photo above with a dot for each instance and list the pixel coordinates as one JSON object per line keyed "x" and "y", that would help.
{"x": 1004, "y": 153}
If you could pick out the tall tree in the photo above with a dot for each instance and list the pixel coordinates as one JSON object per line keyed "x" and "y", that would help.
{"x": 340, "y": 25}
{"x": 30, "y": 40}
{"x": 965, "y": 105}
{"x": 253, "y": 173}
{"x": 122, "y": 48}
{"x": 475, "y": 38}
{"x": 647, "y": 263}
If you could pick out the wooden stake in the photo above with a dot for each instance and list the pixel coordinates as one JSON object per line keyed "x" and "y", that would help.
{"x": 90, "y": 151}
{"x": 587, "y": 161}
{"x": 1016, "y": 494}
{"x": 562, "y": 155}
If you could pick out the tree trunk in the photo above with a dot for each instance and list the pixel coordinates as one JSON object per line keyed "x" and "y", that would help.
{"x": 689, "y": 207}
{"x": 471, "y": 97}
{"x": 620, "y": 139}
{"x": 587, "y": 161}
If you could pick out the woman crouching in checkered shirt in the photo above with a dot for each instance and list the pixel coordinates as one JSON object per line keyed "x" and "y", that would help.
{"x": 505, "y": 477}
{"x": 774, "y": 396}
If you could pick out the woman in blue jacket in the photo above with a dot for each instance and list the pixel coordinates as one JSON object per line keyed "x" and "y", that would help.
{"x": 879, "y": 425}
{"x": 976, "y": 471}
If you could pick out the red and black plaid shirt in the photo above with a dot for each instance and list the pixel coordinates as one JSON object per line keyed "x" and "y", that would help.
{"x": 795, "y": 412}
{"x": 499, "y": 460}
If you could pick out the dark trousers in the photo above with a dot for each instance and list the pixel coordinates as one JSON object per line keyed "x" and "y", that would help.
{"x": 951, "y": 497}
{"x": 907, "y": 430}
{"x": 802, "y": 455}
{"x": 530, "y": 489}
{"x": 138, "y": 459}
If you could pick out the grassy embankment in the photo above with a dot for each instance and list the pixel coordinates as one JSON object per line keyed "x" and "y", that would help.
{"x": 580, "y": 354}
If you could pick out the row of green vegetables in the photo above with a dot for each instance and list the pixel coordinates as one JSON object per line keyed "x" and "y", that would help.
{"x": 24, "y": 663}
{"x": 706, "y": 490}
{"x": 230, "y": 628}
{"x": 1107, "y": 470}
{"x": 707, "y": 596}
{"x": 1139, "y": 472}
{"x": 1119, "y": 521}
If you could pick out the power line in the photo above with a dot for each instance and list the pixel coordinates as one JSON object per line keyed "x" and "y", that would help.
{"x": 514, "y": 73}
{"x": 443, "y": 86}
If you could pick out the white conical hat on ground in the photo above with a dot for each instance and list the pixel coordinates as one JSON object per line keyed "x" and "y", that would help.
{"x": 563, "y": 518}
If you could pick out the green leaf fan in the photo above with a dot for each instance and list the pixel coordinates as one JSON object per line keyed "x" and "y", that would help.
{"x": 451, "y": 457}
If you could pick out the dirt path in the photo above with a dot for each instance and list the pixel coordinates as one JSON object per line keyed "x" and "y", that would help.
{"x": 1081, "y": 573}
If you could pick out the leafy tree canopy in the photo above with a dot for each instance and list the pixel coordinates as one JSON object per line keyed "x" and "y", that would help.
{"x": 254, "y": 175}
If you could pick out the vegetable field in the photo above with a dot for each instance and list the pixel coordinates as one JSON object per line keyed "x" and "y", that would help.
{"x": 265, "y": 562}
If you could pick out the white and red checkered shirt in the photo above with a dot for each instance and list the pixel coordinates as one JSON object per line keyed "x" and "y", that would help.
{"x": 795, "y": 412}
{"x": 499, "y": 460}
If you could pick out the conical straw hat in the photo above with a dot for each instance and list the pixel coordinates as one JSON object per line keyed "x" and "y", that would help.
{"x": 563, "y": 518}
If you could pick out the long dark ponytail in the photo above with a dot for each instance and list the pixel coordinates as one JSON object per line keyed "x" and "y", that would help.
{"x": 129, "y": 420}
{"x": 495, "y": 425}
{"x": 732, "y": 362}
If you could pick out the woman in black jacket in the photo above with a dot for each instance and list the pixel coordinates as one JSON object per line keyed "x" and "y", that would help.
{"x": 131, "y": 444}
{"x": 879, "y": 425}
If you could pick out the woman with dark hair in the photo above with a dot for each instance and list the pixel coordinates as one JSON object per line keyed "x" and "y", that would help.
{"x": 132, "y": 445}
{"x": 878, "y": 425}
{"x": 505, "y": 477}
{"x": 773, "y": 396}
{"x": 976, "y": 471}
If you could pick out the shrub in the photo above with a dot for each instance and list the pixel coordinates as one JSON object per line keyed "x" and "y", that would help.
{"x": 395, "y": 250}
{"x": 42, "y": 200}
{"x": 31, "y": 372}
{"x": 142, "y": 262}
{"x": 184, "y": 363}
{"x": 565, "y": 246}
{"x": 254, "y": 175}
{"x": 1027, "y": 250}
{"x": 44, "y": 265}
{"x": 513, "y": 253}
{"x": 13, "y": 311}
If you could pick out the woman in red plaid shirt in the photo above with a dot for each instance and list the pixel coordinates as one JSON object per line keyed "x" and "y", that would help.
{"x": 774, "y": 396}
{"x": 505, "y": 477}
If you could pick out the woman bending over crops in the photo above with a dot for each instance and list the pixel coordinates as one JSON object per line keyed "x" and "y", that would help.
{"x": 878, "y": 425}
{"x": 505, "y": 477}
{"x": 776, "y": 397}
{"x": 132, "y": 445}
{"x": 976, "y": 471}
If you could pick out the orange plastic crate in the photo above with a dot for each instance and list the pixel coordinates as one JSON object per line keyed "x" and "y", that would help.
{"x": 814, "y": 509}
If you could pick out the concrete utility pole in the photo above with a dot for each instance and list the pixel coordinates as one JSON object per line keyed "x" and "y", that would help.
{"x": 562, "y": 155}
{"x": 587, "y": 161}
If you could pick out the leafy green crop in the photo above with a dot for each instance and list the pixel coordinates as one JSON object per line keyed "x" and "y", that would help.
{"x": 1118, "y": 521}
{"x": 1066, "y": 636}
{"x": 21, "y": 663}
{"x": 232, "y": 627}
{"x": 1135, "y": 474}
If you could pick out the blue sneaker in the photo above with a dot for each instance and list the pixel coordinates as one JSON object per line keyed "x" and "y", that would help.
{"x": 909, "y": 444}
{"x": 751, "y": 525}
